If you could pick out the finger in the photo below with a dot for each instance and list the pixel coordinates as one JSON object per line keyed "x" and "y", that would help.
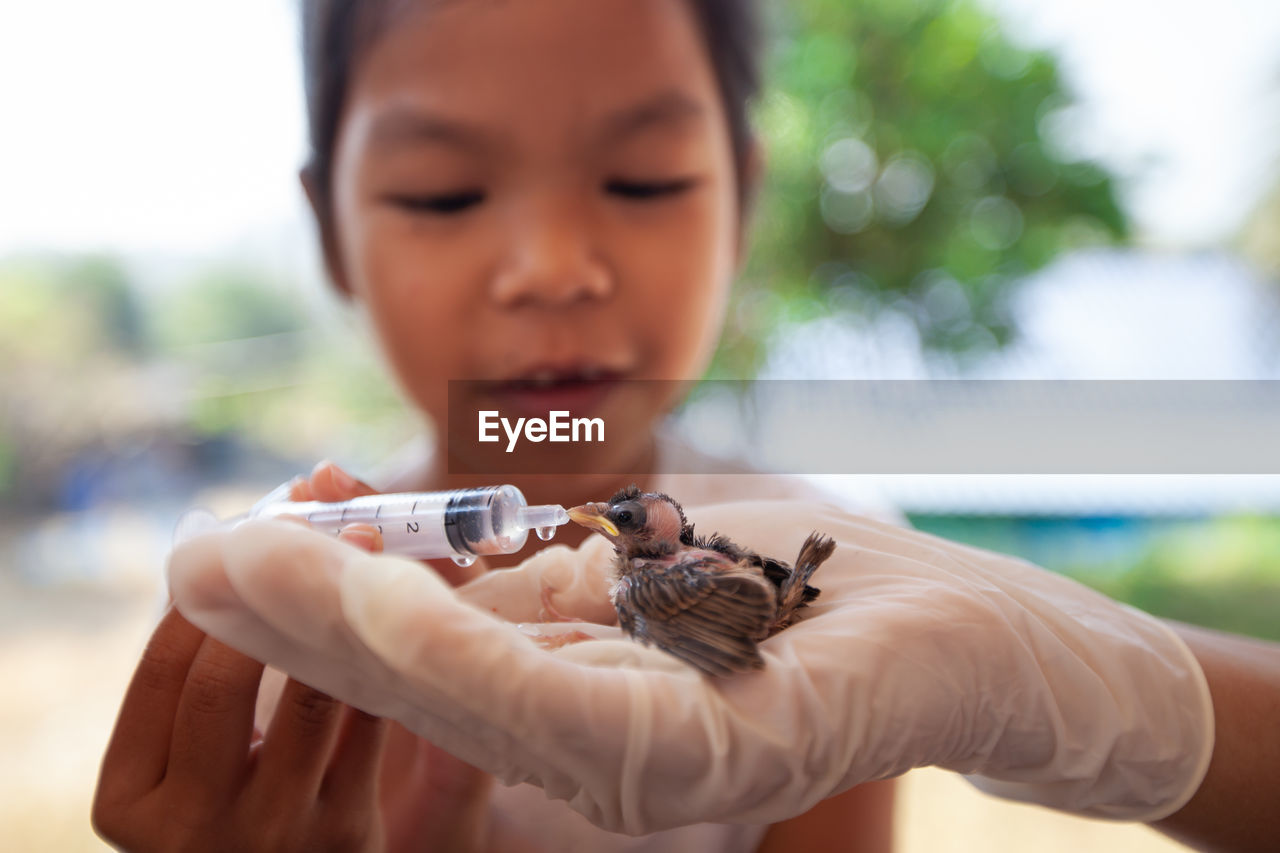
{"x": 197, "y": 575}
{"x": 283, "y": 606}
{"x": 283, "y": 599}
{"x": 556, "y": 582}
{"x": 400, "y": 764}
{"x": 331, "y": 483}
{"x": 364, "y": 536}
{"x": 214, "y": 721}
{"x": 353, "y": 771}
{"x": 435, "y": 801}
{"x": 298, "y": 742}
{"x": 138, "y": 752}
{"x": 300, "y": 489}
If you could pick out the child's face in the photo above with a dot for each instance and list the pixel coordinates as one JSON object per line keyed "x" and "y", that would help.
{"x": 538, "y": 188}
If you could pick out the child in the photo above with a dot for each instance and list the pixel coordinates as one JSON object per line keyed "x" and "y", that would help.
{"x": 550, "y": 196}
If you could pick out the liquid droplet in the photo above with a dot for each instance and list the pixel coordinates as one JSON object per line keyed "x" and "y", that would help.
{"x": 463, "y": 560}
{"x": 545, "y": 533}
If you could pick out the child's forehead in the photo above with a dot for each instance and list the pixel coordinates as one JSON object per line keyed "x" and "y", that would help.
{"x": 588, "y": 56}
{"x": 404, "y": 126}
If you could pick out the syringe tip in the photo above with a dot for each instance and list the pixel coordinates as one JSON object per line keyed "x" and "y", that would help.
{"x": 544, "y": 515}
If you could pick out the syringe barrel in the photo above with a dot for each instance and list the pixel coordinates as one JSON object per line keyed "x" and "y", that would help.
{"x": 425, "y": 525}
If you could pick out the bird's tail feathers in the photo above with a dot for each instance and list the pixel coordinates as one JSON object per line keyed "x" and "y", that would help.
{"x": 795, "y": 591}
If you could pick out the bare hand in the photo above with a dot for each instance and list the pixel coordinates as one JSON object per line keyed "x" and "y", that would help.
{"x": 185, "y": 769}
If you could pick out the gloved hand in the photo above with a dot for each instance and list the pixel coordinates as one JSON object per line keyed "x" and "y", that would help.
{"x": 918, "y": 652}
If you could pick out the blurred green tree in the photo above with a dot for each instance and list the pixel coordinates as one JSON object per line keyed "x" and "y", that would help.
{"x": 1222, "y": 573}
{"x": 69, "y": 308}
{"x": 101, "y": 283}
{"x": 239, "y": 332}
{"x": 71, "y": 328}
{"x": 227, "y": 303}
{"x": 917, "y": 160}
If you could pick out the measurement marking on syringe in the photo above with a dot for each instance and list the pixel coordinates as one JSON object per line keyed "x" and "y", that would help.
{"x": 344, "y": 514}
{"x": 414, "y": 508}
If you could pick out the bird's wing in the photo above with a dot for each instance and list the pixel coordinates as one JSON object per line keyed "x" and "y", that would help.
{"x": 702, "y": 611}
{"x": 779, "y": 573}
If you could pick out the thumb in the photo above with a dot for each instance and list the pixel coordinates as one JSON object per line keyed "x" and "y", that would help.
{"x": 328, "y": 482}
{"x": 558, "y": 583}
{"x": 366, "y": 537}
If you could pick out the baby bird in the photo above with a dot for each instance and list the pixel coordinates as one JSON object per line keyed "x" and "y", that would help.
{"x": 703, "y": 599}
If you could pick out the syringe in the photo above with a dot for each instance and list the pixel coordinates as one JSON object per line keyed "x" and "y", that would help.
{"x": 460, "y": 524}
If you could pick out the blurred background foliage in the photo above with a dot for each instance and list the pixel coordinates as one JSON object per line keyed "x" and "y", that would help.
{"x": 1223, "y": 573}
{"x": 1219, "y": 572}
{"x": 227, "y": 371}
{"x": 917, "y": 160}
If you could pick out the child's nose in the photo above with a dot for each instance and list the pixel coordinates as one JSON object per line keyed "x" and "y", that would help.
{"x": 551, "y": 260}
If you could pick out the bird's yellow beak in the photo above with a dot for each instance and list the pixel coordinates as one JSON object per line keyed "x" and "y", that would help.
{"x": 591, "y": 516}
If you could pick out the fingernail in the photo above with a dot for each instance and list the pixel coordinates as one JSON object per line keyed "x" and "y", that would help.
{"x": 366, "y": 538}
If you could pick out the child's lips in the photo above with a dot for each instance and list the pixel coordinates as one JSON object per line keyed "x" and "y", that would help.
{"x": 579, "y": 392}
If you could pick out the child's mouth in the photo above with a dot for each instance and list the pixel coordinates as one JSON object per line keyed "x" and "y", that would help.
{"x": 580, "y": 391}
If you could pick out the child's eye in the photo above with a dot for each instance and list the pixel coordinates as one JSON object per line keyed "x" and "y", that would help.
{"x": 443, "y": 203}
{"x": 647, "y": 190}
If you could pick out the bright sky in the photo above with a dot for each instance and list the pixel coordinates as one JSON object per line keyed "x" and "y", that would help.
{"x": 148, "y": 125}
{"x": 1190, "y": 87}
{"x": 158, "y": 126}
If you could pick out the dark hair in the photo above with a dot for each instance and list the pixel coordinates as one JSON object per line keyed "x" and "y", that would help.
{"x": 334, "y": 32}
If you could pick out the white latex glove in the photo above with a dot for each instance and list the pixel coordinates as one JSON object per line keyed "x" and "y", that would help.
{"x": 918, "y": 652}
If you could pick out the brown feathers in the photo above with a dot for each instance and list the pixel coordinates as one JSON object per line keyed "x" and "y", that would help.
{"x": 703, "y": 599}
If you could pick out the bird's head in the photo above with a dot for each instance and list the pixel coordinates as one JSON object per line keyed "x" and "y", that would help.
{"x": 638, "y": 523}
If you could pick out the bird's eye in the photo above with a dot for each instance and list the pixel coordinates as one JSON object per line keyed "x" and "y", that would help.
{"x": 623, "y": 517}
